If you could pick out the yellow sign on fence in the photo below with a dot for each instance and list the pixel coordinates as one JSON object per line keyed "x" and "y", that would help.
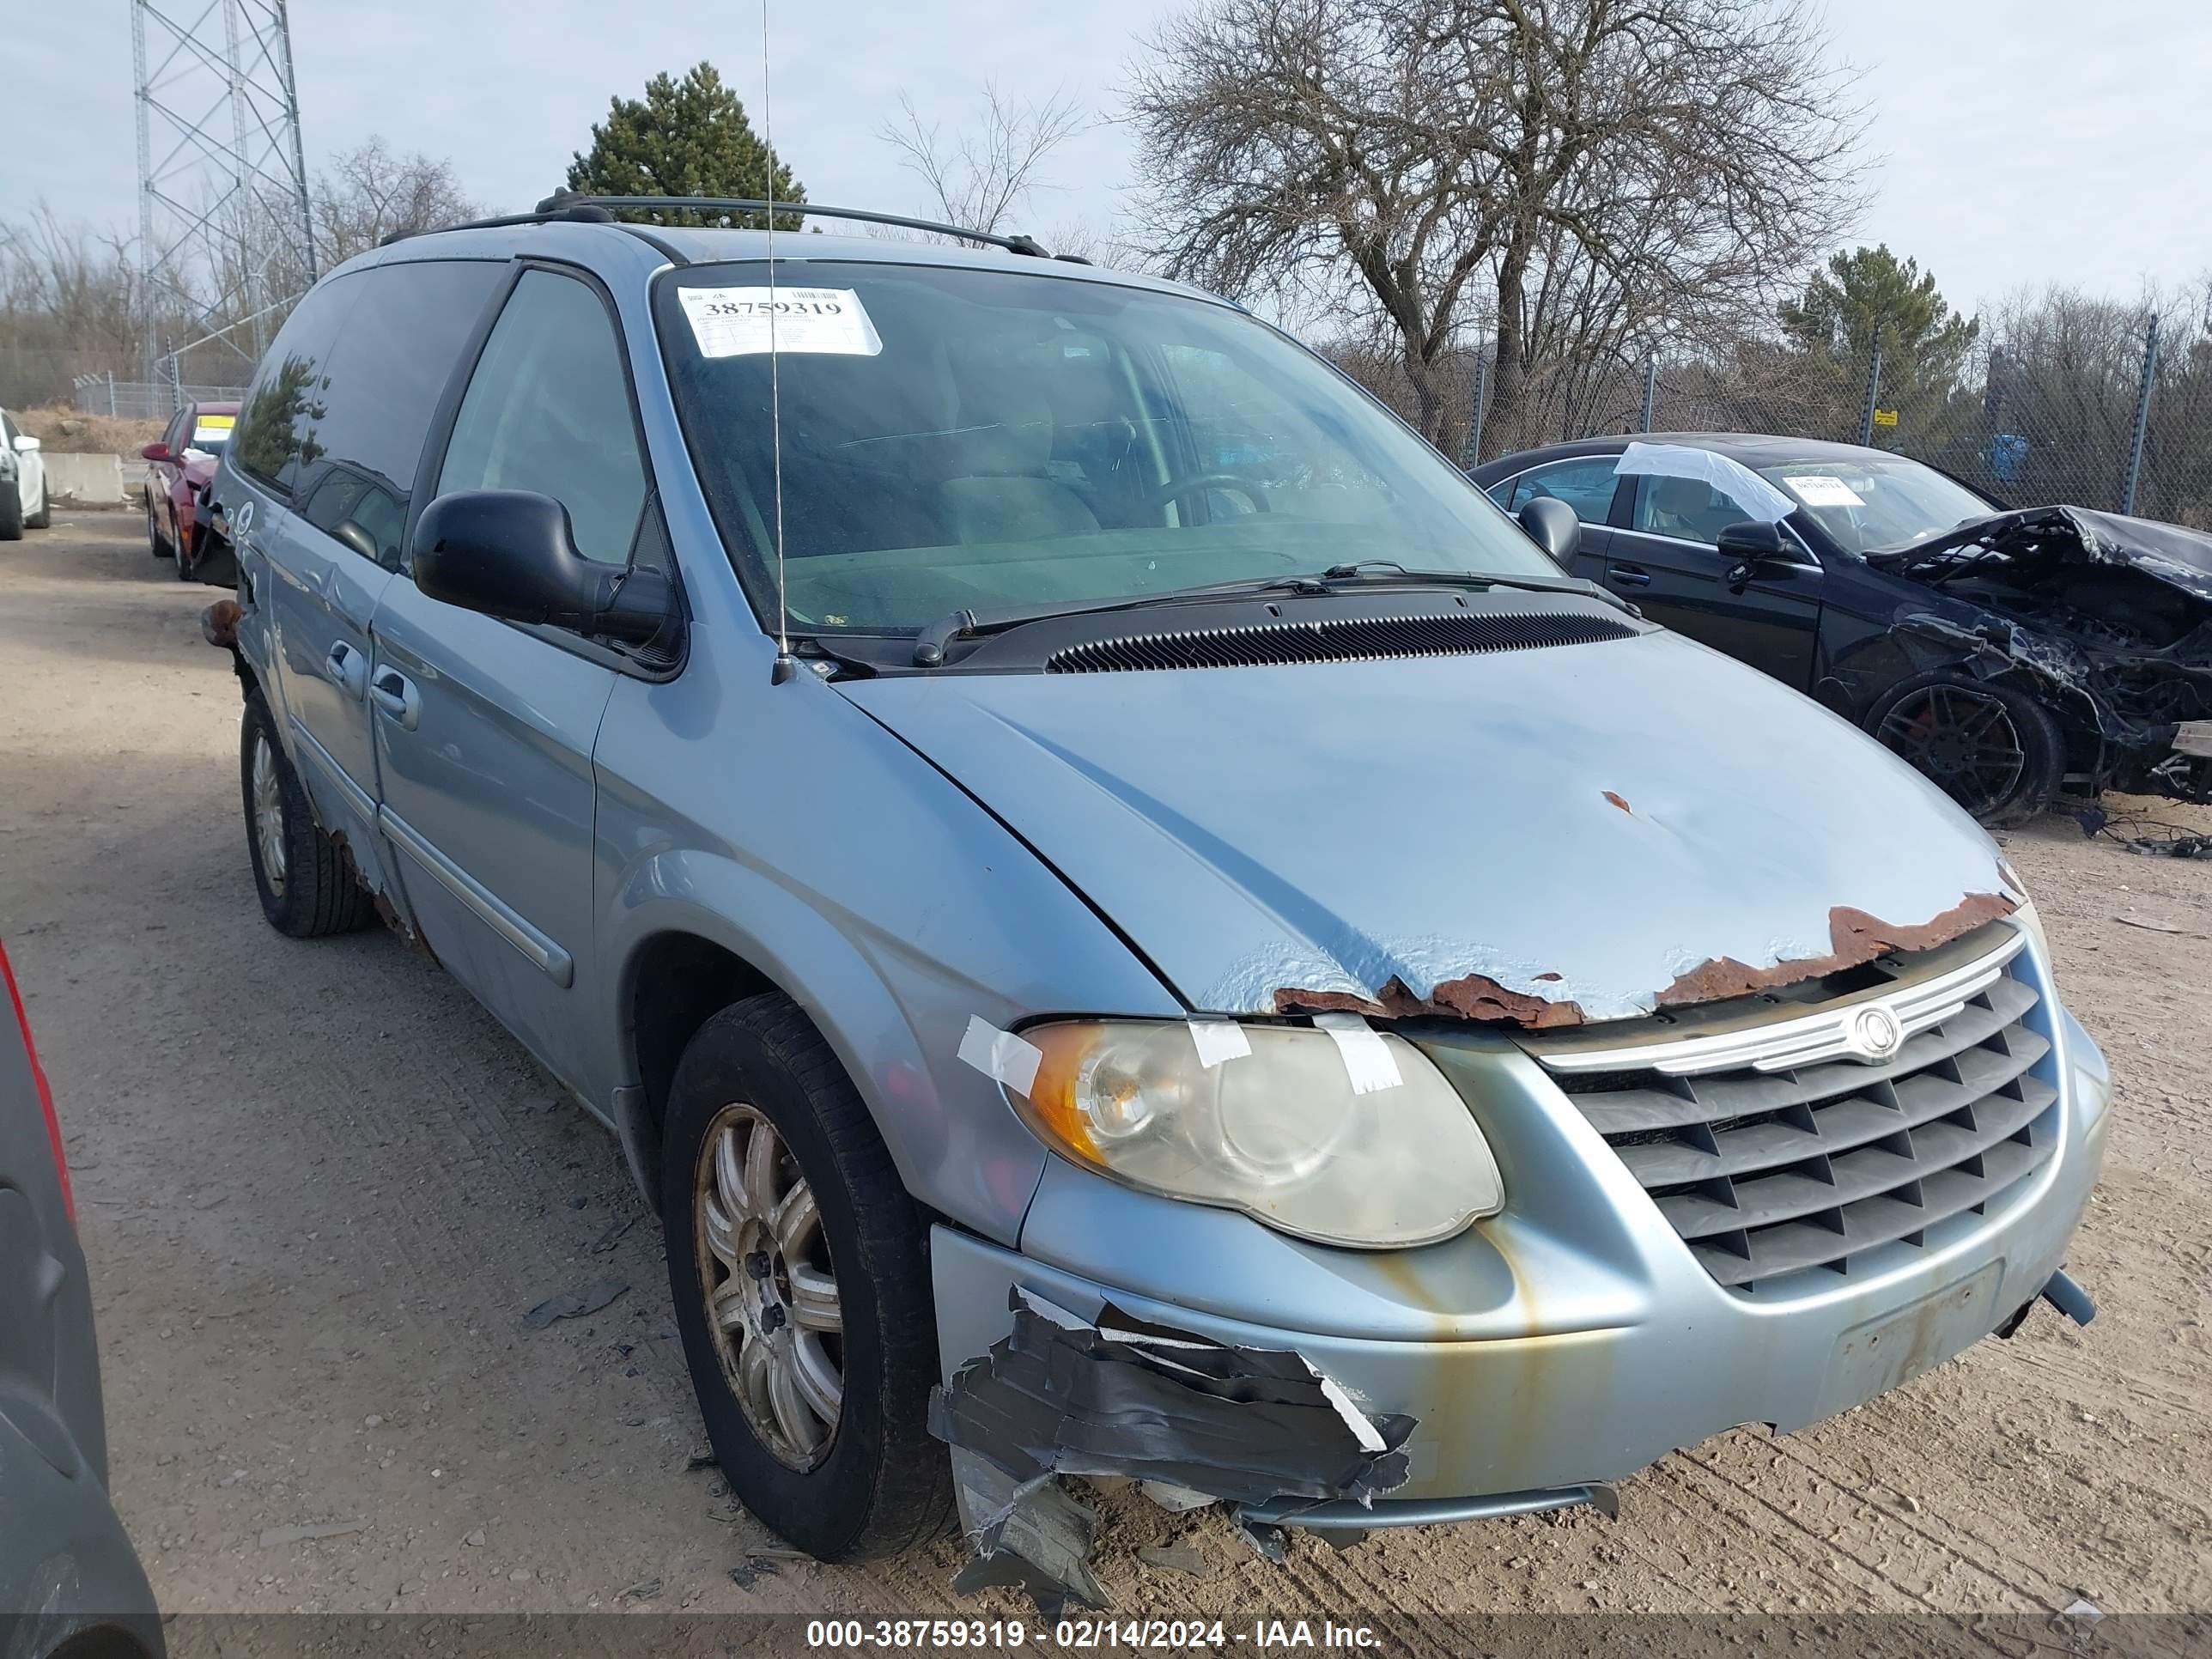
{"x": 1885, "y": 418}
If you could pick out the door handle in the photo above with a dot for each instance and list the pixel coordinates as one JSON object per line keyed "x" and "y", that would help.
{"x": 395, "y": 694}
{"x": 1628, "y": 575}
{"x": 349, "y": 669}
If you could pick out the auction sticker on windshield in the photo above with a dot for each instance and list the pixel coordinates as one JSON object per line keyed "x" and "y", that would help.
{"x": 737, "y": 322}
{"x": 1819, "y": 490}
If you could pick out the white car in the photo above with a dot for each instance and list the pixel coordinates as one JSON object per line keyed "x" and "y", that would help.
{"x": 22, "y": 481}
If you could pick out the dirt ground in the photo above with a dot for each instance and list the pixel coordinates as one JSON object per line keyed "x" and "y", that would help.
{"x": 319, "y": 1188}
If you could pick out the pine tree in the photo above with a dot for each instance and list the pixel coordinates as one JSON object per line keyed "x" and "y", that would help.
{"x": 1871, "y": 294}
{"x": 685, "y": 138}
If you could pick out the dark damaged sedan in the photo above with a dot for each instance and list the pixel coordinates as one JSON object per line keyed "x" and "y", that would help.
{"x": 2005, "y": 653}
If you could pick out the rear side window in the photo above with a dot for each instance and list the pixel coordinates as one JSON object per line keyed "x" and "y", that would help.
{"x": 400, "y": 343}
{"x": 1586, "y": 485}
{"x": 276, "y": 426}
{"x": 547, "y": 410}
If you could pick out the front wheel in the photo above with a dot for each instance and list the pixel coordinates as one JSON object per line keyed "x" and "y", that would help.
{"x": 801, "y": 1290}
{"x": 1992, "y": 747}
{"x": 156, "y": 543}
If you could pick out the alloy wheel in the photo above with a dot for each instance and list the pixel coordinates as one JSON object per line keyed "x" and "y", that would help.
{"x": 269, "y": 814}
{"x": 770, "y": 1290}
{"x": 1965, "y": 740}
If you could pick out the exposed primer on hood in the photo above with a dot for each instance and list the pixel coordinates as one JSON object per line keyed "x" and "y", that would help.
{"x": 1548, "y": 838}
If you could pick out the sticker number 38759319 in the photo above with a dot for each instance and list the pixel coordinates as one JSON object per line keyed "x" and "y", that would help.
{"x": 736, "y": 322}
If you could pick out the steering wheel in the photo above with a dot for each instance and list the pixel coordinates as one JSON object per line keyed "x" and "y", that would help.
{"x": 1178, "y": 490}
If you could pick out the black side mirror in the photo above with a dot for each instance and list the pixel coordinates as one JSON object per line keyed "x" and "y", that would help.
{"x": 512, "y": 553}
{"x": 1752, "y": 545}
{"x": 1552, "y": 525}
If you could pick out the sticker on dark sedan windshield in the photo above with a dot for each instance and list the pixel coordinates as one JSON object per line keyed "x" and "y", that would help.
{"x": 736, "y": 322}
{"x": 1818, "y": 489}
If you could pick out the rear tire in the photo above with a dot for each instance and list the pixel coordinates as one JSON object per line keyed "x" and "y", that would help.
{"x": 44, "y": 518}
{"x": 305, "y": 880}
{"x": 850, "y": 1276}
{"x": 1992, "y": 747}
{"x": 11, "y": 511}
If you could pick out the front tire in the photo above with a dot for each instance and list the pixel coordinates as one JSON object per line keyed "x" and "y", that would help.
{"x": 304, "y": 879}
{"x": 1992, "y": 747}
{"x": 795, "y": 1258}
{"x": 156, "y": 543}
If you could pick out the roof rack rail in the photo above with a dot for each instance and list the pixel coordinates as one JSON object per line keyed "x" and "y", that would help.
{"x": 567, "y": 204}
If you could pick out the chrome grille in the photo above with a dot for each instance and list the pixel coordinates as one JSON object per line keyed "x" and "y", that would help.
{"x": 1769, "y": 1169}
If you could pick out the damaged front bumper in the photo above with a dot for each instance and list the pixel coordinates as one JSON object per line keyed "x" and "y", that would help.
{"x": 1562, "y": 1345}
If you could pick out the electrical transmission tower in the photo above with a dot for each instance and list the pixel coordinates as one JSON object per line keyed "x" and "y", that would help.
{"x": 225, "y": 237}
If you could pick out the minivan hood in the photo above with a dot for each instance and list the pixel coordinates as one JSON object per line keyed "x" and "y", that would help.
{"x": 1545, "y": 836}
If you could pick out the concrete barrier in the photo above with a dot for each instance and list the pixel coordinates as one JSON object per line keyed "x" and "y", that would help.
{"x": 86, "y": 480}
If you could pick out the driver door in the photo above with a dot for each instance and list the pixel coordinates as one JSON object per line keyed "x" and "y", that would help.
{"x": 1667, "y": 560}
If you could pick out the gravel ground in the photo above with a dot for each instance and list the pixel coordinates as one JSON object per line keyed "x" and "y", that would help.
{"x": 319, "y": 1188}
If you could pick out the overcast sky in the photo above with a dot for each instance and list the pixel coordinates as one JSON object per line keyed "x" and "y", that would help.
{"x": 2013, "y": 140}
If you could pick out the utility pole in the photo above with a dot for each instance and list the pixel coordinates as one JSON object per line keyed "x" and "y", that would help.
{"x": 224, "y": 226}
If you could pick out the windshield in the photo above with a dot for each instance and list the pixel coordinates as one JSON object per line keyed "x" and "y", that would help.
{"x": 1869, "y": 503}
{"x": 981, "y": 439}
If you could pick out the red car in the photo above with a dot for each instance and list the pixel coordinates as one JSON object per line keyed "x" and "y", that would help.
{"x": 180, "y": 469}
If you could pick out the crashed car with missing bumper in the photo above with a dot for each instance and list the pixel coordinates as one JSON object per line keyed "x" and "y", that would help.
{"x": 2007, "y": 654}
{"x": 1129, "y": 920}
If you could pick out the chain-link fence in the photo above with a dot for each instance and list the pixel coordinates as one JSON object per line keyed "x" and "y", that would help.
{"x": 141, "y": 400}
{"x": 2087, "y": 406}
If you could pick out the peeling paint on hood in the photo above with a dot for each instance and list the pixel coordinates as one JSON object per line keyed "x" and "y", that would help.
{"x": 1453, "y": 828}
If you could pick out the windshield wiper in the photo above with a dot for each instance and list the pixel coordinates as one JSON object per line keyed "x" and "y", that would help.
{"x": 929, "y": 644}
{"x": 1389, "y": 570}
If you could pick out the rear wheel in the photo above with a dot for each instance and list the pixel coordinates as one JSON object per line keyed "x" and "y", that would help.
{"x": 11, "y": 511}
{"x": 44, "y": 518}
{"x": 801, "y": 1290}
{"x": 305, "y": 880}
{"x": 1994, "y": 749}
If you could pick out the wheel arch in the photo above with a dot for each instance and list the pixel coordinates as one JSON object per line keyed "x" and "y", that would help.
{"x": 683, "y": 955}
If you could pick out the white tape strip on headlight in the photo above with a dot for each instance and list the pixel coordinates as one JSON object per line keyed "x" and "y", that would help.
{"x": 1000, "y": 1056}
{"x": 1368, "y": 1062}
{"x": 1218, "y": 1040}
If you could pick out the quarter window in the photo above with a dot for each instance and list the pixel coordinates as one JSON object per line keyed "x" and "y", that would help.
{"x": 547, "y": 410}
{"x": 276, "y": 426}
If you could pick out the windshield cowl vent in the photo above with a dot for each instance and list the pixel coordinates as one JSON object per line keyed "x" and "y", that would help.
{"x": 1351, "y": 638}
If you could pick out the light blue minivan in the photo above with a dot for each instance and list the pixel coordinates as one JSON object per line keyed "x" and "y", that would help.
{"x": 1130, "y": 922}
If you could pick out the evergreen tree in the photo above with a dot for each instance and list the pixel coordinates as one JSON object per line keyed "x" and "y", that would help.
{"x": 688, "y": 137}
{"x": 1870, "y": 294}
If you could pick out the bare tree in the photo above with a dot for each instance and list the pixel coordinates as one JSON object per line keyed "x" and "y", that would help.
{"x": 1657, "y": 159}
{"x": 976, "y": 179}
{"x": 367, "y": 193}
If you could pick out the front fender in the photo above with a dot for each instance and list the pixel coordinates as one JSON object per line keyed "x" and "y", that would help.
{"x": 956, "y": 1145}
{"x": 790, "y": 829}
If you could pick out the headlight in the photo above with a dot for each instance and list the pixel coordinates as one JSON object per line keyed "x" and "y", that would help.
{"x": 1348, "y": 1137}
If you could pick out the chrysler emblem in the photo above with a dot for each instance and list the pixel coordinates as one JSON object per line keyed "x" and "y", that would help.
{"x": 1876, "y": 1034}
